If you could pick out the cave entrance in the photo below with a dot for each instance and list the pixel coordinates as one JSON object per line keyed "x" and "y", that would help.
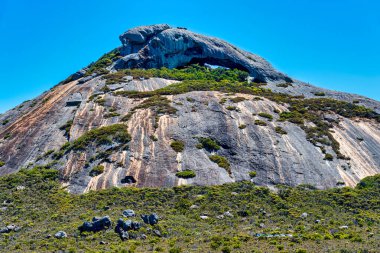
{"x": 213, "y": 62}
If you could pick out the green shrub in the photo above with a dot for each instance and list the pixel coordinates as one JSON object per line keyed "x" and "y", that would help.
{"x": 265, "y": 115}
{"x": 100, "y": 136}
{"x": 5, "y": 122}
{"x": 232, "y": 108}
{"x": 242, "y": 126}
{"x": 319, "y": 94}
{"x": 237, "y": 99}
{"x": 177, "y": 146}
{"x": 329, "y": 157}
{"x": 153, "y": 138}
{"x": 97, "y": 170}
{"x": 66, "y": 128}
{"x": 208, "y": 144}
{"x": 221, "y": 161}
{"x": 186, "y": 174}
{"x": 252, "y": 174}
{"x": 279, "y": 130}
{"x": 260, "y": 123}
{"x": 2, "y": 163}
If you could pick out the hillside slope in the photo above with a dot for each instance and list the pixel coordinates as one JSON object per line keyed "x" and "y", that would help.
{"x": 149, "y": 125}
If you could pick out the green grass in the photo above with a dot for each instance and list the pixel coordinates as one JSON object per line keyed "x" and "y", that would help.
{"x": 186, "y": 174}
{"x": 2, "y": 163}
{"x": 44, "y": 208}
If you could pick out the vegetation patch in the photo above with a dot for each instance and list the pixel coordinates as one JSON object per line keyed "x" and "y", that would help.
{"x": 242, "y": 126}
{"x": 97, "y": 170}
{"x": 280, "y": 130}
{"x": 260, "y": 123}
{"x": 237, "y": 99}
{"x": 221, "y": 161}
{"x": 186, "y": 174}
{"x": 266, "y": 115}
{"x": 177, "y": 146}
{"x": 342, "y": 219}
{"x": 208, "y": 144}
{"x": 2, "y": 163}
{"x": 66, "y": 128}
{"x": 252, "y": 174}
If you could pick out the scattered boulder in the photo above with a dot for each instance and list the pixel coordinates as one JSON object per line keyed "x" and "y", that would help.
{"x": 220, "y": 216}
{"x": 203, "y": 217}
{"x": 343, "y": 227}
{"x": 60, "y": 235}
{"x": 304, "y": 215}
{"x": 20, "y": 188}
{"x": 151, "y": 219}
{"x": 129, "y": 213}
{"x": 123, "y": 227}
{"x": 228, "y": 214}
{"x": 9, "y": 228}
{"x": 157, "y": 233}
{"x": 96, "y": 225}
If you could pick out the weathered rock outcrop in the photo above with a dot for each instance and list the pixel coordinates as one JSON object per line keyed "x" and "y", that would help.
{"x": 31, "y": 132}
{"x": 163, "y": 46}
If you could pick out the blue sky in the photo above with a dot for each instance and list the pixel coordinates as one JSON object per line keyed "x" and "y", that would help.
{"x": 330, "y": 43}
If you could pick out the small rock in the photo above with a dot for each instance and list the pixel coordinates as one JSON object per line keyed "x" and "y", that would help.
{"x": 48, "y": 236}
{"x": 234, "y": 193}
{"x": 102, "y": 243}
{"x": 143, "y": 236}
{"x": 220, "y": 216}
{"x": 304, "y": 215}
{"x": 262, "y": 225}
{"x": 20, "y": 188}
{"x": 343, "y": 227}
{"x": 106, "y": 208}
{"x": 3, "y": 209}
{"x": 228, "y": 214}
{"x": 194, "y": 207}
{"x": 157, "y": 232}
{"x": 317, "y": 221}
{"x": 203, "y": 217}
{"x": 60, "y": 235}
{"x": 129, "y": 213}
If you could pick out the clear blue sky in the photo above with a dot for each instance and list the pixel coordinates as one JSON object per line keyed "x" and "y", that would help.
{"x": 329, "y": 43}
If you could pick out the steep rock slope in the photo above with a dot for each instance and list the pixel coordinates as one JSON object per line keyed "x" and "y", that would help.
{"x": 131, "y": 142}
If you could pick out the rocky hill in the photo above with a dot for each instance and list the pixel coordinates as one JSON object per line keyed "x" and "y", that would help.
{"x": 156, "y": 112}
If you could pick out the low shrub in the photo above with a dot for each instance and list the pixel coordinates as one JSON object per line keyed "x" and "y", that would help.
{"x": 279, "y": 130}
{"x": 260, "y": 123}
{"x": 266, "y": 115}
{"x": 186, "y": 174}
{"x": 177, "y": 146}
{"x": 221, "y": 161}
{"x": 97, "y": 170}
{"x": 208, "y": 144}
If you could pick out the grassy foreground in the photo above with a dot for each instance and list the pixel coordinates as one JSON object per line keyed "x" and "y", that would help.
{"x": 43, "y": 208}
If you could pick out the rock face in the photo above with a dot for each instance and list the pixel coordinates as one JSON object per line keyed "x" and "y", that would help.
{"x": 30, "y": 132}
{"x": 163, "y": 46}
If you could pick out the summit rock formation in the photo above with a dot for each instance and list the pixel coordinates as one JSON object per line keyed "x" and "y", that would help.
{"x": 114, "y": 123}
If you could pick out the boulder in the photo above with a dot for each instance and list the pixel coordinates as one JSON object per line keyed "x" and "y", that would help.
{"x": 123, "y": 227}
{"x": 304, "y": 215}
{"x": 151, "y": 219}
{"x": 60, "y": 235}
{"x": 159, "y": 46}
{"x": 96, "y": 225}
{"x": 129, "y": 213}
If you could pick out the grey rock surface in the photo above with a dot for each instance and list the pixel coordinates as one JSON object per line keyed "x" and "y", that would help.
{"x": 163, "y": 46}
